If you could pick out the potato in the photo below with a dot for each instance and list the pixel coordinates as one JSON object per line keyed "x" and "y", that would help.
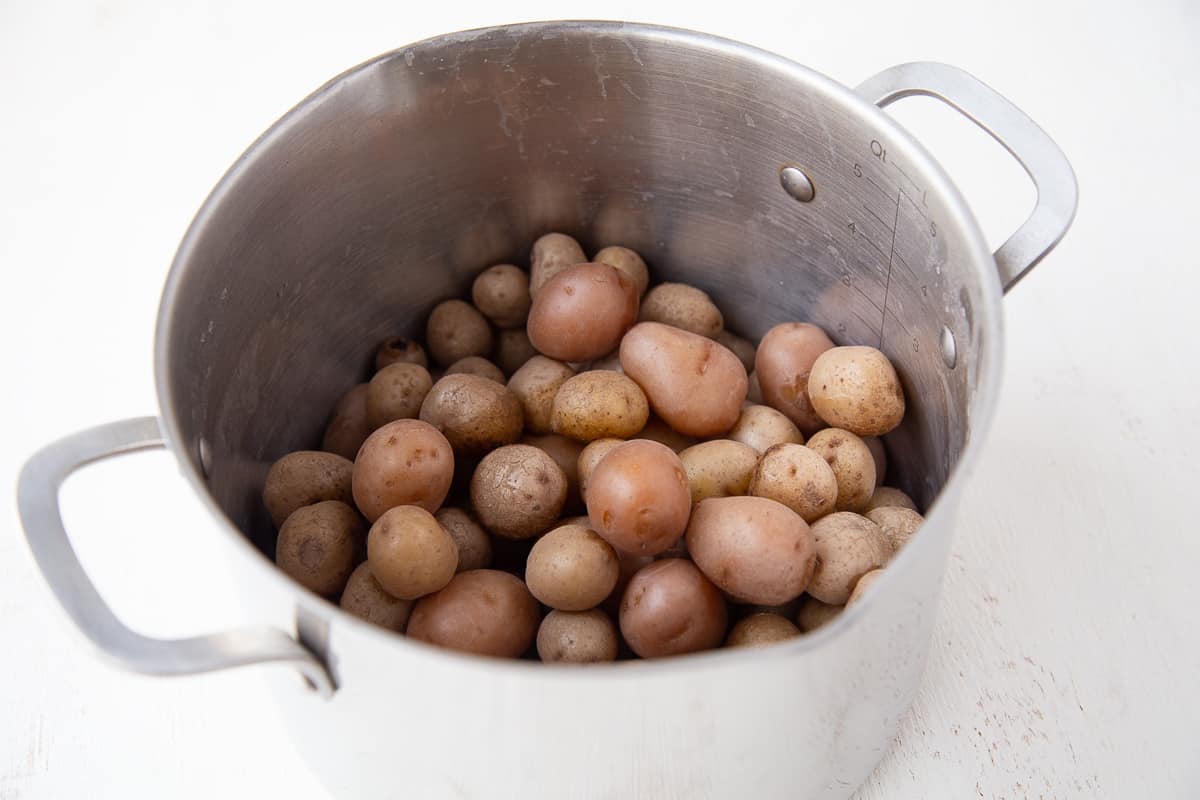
{"x": 628, "y": 565}
{"x": 348, "y": 428}
{"x": 513, "y": 349}
{"x": 742, "y": 348}
{"x": 582, "y": 312}
{"x": 518, "y": 491}
{"x": 756, "y": 550}
{"x": 848, "y": 547}
{"x": 857, "y": 389}
{"x": 610, "y": 362}
{"x": 365, "y": 598}
{"x": 571, "y": 569}
{"x": 638, "y": 497}
{"x": 799, "y": 478}
{"x": 565, "y": 453}
{"x": 589, "y": 457}
{"x": 761, "y": 427}
{"x": 477, "y": 365}
{"x": 456, "y": 330}
{"x": 787, "y": 609}
{"x": 303, "y": 478}
{"x": 753, "y": 390}
{"x": 410, "y": 553}
{"x": 682, "y": 306}
{"x": 658, "y": 431}
{"x": 670, "y": 608}
{"x": 720, "y": 468}
{"x": 474, "y": 413}
{"x": 885, "y": 496}
{"x": 693, "y": 383}
{"x": 852, "y": 465}
{"x": 319, "y": 545}
{"x": 599, "y": 405}
{"x": 501, "y": 293}
{"x": 875, "y": 445}
{"x": 473, "y": 543}
{"x": 482, "y": 611}
{"x": 399, "y": 350}
{"x": 813, "y": 614}
{"x": 783, "y": 362}
{"x": 628, "y": 262}
{"x": 863, "y": 584}
{"x": 406, "y": 462}
{"x": 898, "y": 524}
{"x": 577, "y": 637}
{"x": 396, "y": 392}
{"x": 536, "y": 384}
{"x": 551, "y": 254}
{"x": 761, "y": 629}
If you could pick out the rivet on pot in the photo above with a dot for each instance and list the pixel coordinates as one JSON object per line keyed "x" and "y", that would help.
{"x": 948, "y": 347}
{"x": 797, "y": 184}
{"x": 204, "y": 455}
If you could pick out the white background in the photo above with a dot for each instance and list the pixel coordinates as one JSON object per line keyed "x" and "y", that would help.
{"x": 1067, "y": 656}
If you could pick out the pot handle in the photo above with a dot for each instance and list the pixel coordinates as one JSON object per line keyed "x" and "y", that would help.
{"x": 1047, "y": 166}
{"x": 37, "y": 500}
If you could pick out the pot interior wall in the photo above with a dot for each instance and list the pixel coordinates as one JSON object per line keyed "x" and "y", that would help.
{"x": 393, "y": 186}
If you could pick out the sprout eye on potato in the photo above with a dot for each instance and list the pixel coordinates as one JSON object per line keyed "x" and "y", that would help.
{"x": 713, "y": 470}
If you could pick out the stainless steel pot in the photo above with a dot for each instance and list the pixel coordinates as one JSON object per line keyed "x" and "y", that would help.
{"x": 782, "y": 193}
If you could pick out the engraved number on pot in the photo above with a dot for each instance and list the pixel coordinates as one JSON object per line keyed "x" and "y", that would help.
{"x": 857, "y": 170}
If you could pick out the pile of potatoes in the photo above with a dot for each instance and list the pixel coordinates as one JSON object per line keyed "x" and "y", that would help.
{"x": 582, "y": 465}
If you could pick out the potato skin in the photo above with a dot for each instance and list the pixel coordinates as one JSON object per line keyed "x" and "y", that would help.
{"x": 536, "y": 384}
{"x": 410, "y": 553}
{"x": 696, "y": 385}
{"x": 599, "y": 405}
{"x": 551, "y": 254}
{"x": 501, "y": 293}
{"x": 303, "y": 478}
{"x": 406, "y": 462}
{"x": 577, "y": 637}
{"x": 657, "y": 430}
{"x": 571, "y": 569}
{"x": 518, "y": 491}
{"x": 400, "y": 350}
{"x": 348, "y": 427}
{"x": 473, "y": 543}
{"x": 799, "y": 478}
{"x": 761, "y": 629}
{"x": 638, "y": 497}
{"x": 396, "y": 392}
{"x": 848, "y": 547}
{"x": 456, "y": 330}
{"x": 582, "y": 312}
{"x": 477, "y": 365}
{"x": 590, "y": 457}
{"x": 719, "y": 468}
{"x": 513, "y": 349}
{"x": 628, "y": 262}
{"x": 761, "y": 427}
{"x": 783, "y": 363}
{"x": 886, "y": 496}
{"x": 474, "y": 413}
{"x": 366, "y": 599}
{"x": 813, "y": 614}
{"x": 682, "y": 306}
{"x": 875, "y": 445}
{"x": 742, "y": 348}
{"x": 481, "y": 611}
{"x": 756, "y": 550}
{"x": 852, "y": 465}
{"x": 565, "y": 452}
{"x": 670, "y": 608}
{"x": 857, "y": 389}
{"x": 862, "y": 585}
{"x": 319, "y": 545}
{"x": 898, "y": 524}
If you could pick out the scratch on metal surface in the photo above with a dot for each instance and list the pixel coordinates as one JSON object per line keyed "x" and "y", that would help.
{"x": 601, "y": 76}
{"x": 633, "y": 51}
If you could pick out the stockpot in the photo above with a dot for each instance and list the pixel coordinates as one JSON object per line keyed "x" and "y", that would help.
{"x": 783, "y": 194}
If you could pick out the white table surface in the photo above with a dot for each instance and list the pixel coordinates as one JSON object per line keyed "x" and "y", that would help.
{"x": 1066, "y": 658}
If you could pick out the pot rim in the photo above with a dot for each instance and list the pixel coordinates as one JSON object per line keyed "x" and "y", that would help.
{"x": 981, "y": 406}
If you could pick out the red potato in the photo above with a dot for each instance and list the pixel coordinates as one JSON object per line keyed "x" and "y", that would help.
{"x": 406, "y": 462}
{"x": 582, "y": 312}
{"x": 638, "y": 497}
{"x": 783, "y": 362}
{"x": 482, "y": 611}
{"x": 410, "y": 553}
{"x": 756, "y": 550}
{"x": 670, "y": 608}
{"x": 696, "y": 385}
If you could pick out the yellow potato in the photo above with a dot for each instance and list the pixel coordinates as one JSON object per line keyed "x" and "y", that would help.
{"x": 852, "y": 465}
{"x": 599, "y": 405}
{"x": 628, "y": 262}
{"x": 856, "y": 389}
{"x": 535, "y": 384}
{"x": 761, "y": 629}
{"x": 848, "y": 546}
{"x": 719, "y": 468}
{"x": 797, "y": 477}
{"x": 762, "y": 427}
{"x": 682, "y": 306}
